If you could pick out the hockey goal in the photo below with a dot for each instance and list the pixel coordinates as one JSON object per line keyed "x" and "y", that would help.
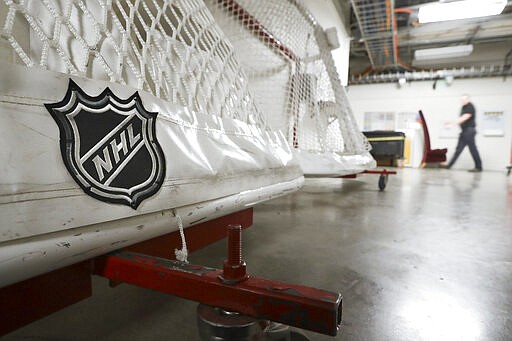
{"x": 218, "y": 154}
{"x": 292, "y": 75}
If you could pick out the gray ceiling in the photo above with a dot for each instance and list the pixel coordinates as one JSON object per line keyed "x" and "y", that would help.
{"x": 386, "y": 33}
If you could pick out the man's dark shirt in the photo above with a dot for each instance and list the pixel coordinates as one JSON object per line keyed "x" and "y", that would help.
{"x": 468, "y": 109}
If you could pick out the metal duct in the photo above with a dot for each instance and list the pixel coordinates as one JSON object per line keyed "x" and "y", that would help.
{"x": 376, "y": 23}
{"x": 472, "y": 72}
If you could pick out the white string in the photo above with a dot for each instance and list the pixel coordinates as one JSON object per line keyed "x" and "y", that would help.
{"x": 181, "y": 255}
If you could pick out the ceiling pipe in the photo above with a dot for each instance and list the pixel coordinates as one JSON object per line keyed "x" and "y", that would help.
{"x": 409, "y": 76}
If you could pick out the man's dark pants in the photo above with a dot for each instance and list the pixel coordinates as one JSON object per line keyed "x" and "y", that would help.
{"x": 467, "y": 138}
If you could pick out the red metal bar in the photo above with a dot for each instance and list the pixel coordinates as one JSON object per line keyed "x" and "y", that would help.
{"x": 379, "y": 171}
{"x": 35, "y": 298}
{"x": 291, "y": 304}
{"x": 348, "y": 176}
{"x": 375, "y": 171}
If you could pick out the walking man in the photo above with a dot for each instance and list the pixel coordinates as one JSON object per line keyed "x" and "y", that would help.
{"x": 467, "y": 123}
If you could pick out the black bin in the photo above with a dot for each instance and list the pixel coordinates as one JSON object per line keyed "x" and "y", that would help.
{"x": 386, "y": 145}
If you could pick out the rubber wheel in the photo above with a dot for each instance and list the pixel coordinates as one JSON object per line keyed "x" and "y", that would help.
{"x": 383, "y": 181}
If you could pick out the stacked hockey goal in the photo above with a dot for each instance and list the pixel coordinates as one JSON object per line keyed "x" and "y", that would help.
{"x": 292, "y": 76}
{"x": 174, "y": 50}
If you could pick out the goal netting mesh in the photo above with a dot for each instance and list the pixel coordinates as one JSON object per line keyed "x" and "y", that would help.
{"x": 273, "y": 70}
{"x": 172, "y": 49}
{"x": 292, "y": 74}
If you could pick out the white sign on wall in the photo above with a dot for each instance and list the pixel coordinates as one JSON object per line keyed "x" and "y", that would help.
{"x": 379, "y": 121}
{"x": 493, "y": 123}
{"x": 407, "y": 120}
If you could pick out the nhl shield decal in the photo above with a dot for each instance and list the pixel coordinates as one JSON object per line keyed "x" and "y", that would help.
{"x": 109, "y": 145}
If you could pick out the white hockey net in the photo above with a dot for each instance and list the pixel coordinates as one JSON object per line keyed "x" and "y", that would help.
{"x": 170, "y": 48}
{"x": 292, "y": 74}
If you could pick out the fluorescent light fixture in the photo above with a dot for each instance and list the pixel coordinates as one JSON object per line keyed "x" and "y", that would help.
{"x": 463, "y": 9}
{"x": 443, "y": 52}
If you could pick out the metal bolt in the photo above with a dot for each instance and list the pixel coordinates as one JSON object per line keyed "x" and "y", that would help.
{"x": 234, "y": 245}
{"x": 234, "y": 267}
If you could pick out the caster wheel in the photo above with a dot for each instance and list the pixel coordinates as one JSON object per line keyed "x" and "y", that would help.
{"x": 383, "y": 181}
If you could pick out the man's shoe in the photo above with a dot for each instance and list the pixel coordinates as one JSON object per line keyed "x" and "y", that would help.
{"x": 475, "y": 170}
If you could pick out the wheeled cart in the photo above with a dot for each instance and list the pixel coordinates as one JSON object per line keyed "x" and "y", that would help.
{"x": 383, "y": 178}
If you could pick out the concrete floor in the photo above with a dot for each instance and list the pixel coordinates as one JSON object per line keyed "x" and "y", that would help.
{"x": 428, "y": 259}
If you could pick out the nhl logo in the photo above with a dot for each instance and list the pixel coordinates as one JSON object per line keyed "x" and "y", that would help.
{"x": 109, "y": 145}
